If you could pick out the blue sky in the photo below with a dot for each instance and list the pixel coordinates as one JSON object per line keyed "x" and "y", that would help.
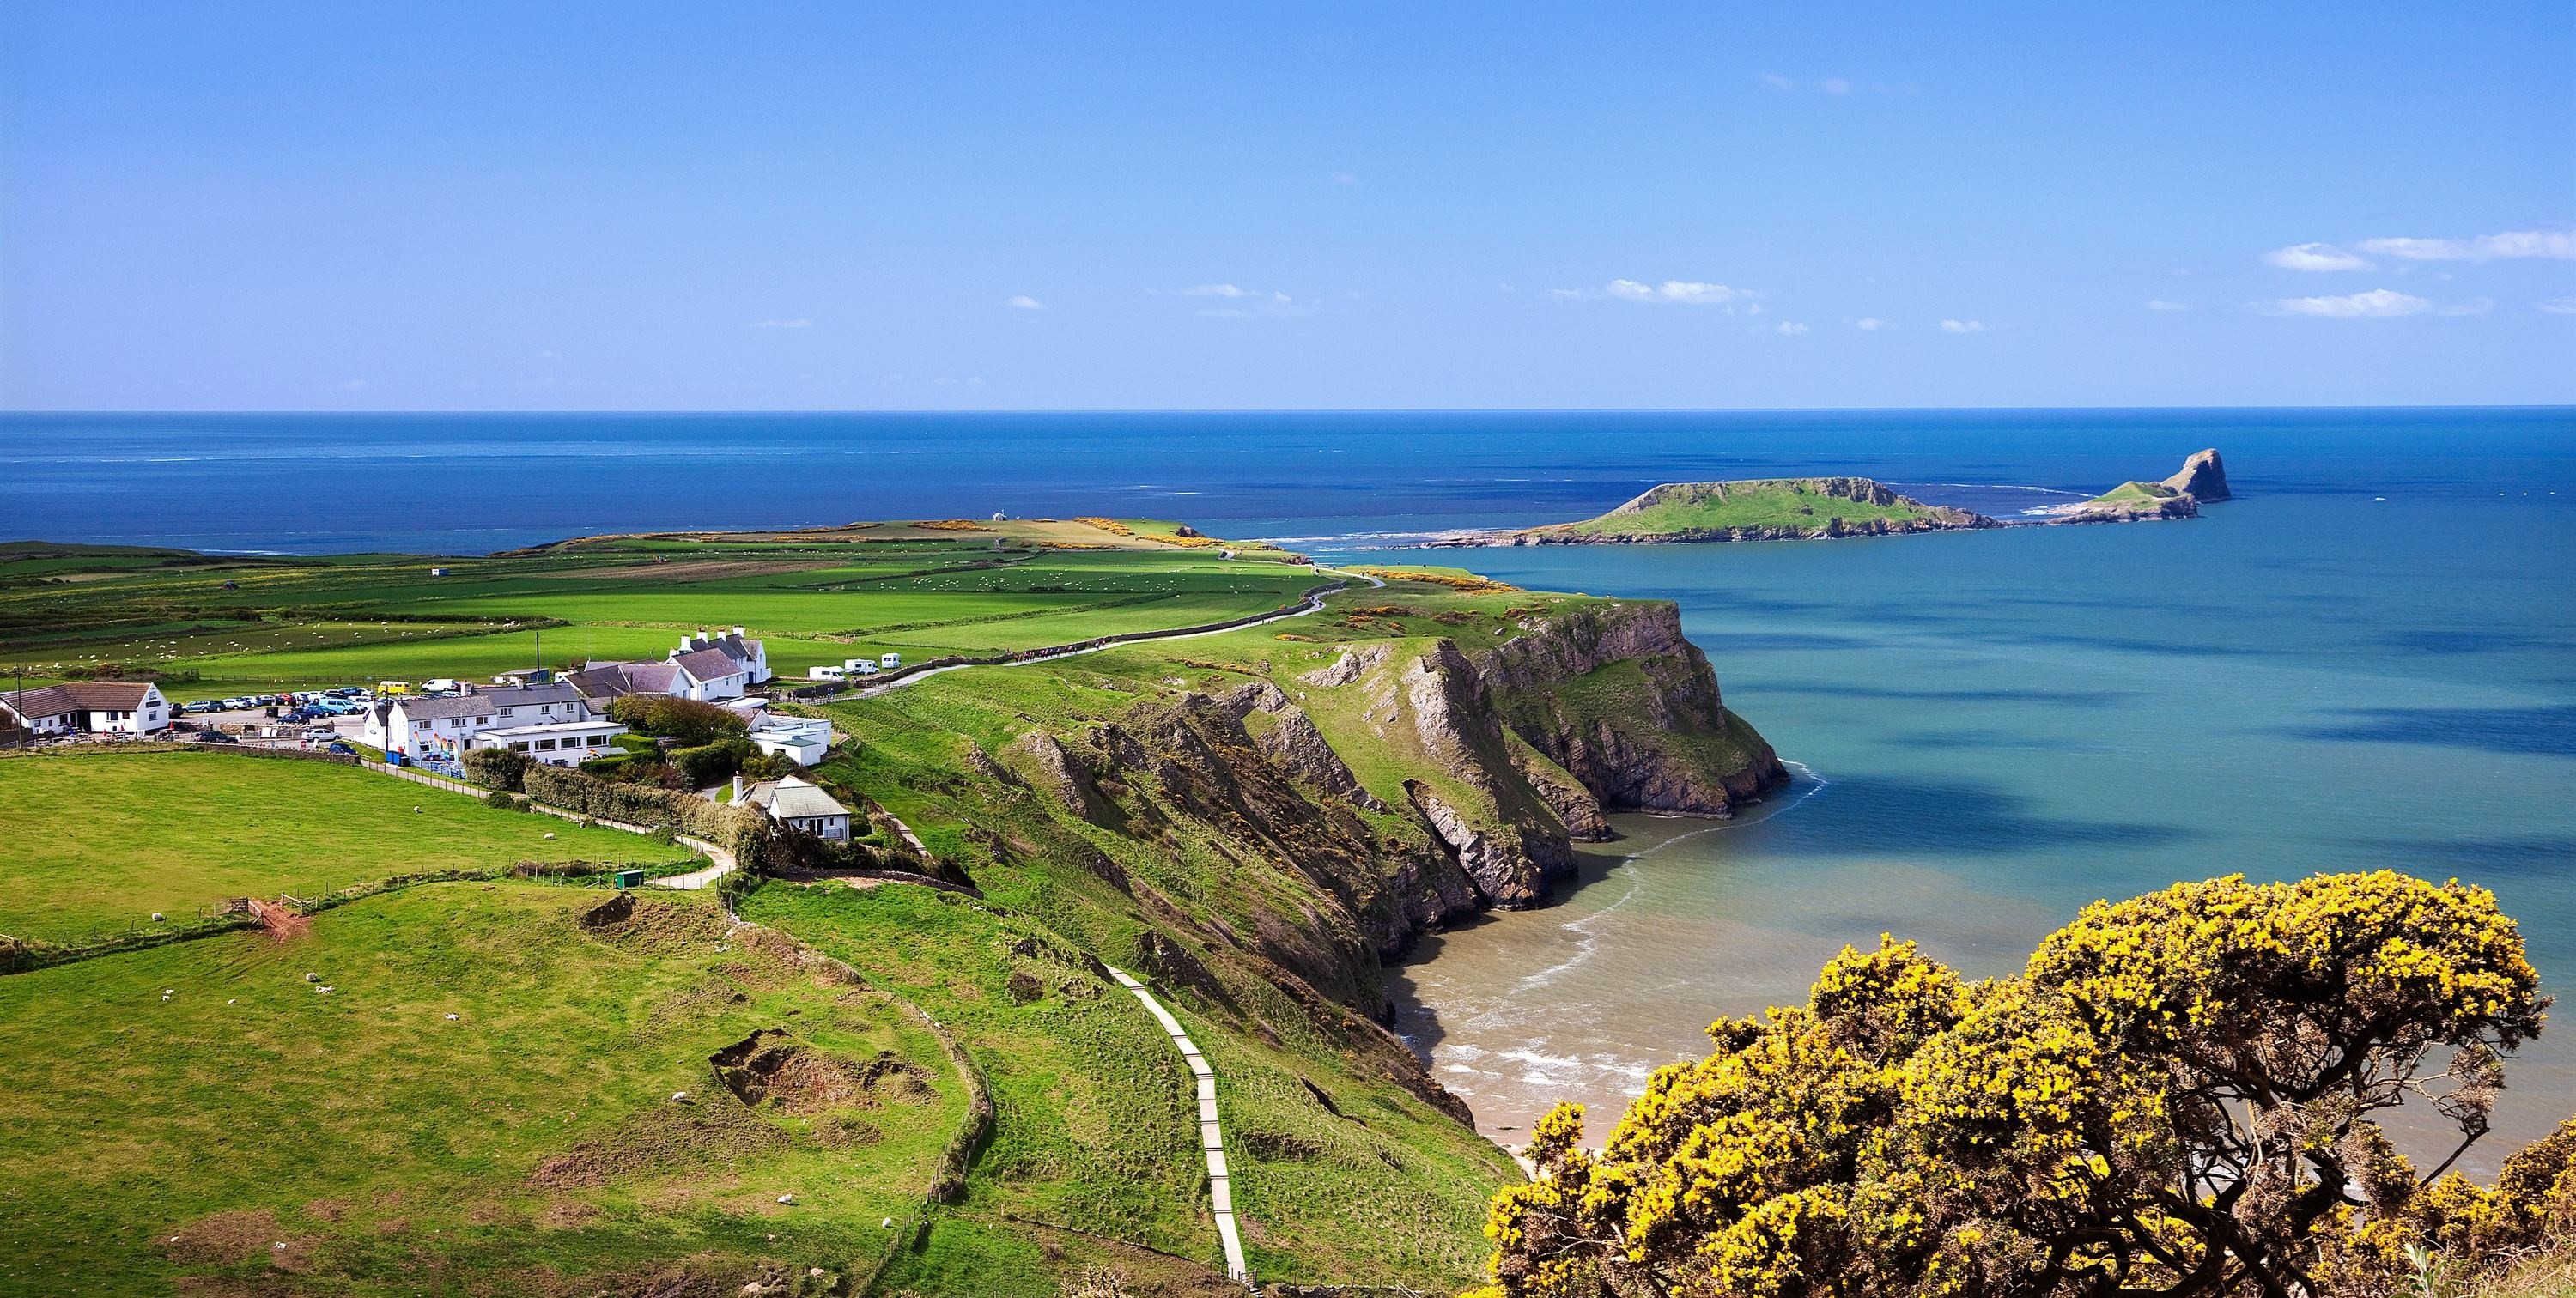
{"x": 638, "y": 206}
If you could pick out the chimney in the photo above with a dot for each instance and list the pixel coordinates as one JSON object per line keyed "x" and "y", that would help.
{"x": 737, "y": 787}
{"x": 737, "y": 633}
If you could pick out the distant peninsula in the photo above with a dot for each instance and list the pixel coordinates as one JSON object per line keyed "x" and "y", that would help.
{"x": 1787, "y": 509}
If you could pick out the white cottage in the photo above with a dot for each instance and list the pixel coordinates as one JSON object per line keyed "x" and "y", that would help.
{"x": 88, "y": 707}
{"x": 713, "y": 668}
{"x": 419, "y": 727}
{"x": 797, "y": 804}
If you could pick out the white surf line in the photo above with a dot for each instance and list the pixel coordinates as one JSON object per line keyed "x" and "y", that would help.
{"x": 1219, "y": 1190}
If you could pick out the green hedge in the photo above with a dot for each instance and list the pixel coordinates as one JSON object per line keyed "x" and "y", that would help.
{"x": 687, "y": 720}
{"x": 708, "y": 763}
{"x": 497, "y": 768}
{"x": 742, "y": 831}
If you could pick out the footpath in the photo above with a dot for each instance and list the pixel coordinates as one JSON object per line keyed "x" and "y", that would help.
{"x": 1220, "y": 1188}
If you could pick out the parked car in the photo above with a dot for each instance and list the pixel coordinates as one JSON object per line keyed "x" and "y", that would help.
{"x": 200, "y": 705}
{"x": 215, "y": 737}
{"x": 342, "y": 749}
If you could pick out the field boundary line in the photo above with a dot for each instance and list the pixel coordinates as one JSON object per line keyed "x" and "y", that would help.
{"x": 1312, "y": 603}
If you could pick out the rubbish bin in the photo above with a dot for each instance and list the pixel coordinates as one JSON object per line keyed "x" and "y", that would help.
{"x": 630, "y": 878}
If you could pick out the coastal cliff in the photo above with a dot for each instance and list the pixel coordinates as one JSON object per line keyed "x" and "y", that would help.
{"x": 1316, "y": 806}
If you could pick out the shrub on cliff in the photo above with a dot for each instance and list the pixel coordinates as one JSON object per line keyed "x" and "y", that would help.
{"x": 2175, "y": 1096}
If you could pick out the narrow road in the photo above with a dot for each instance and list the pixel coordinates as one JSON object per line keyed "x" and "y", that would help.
{"x": 1311, "y": 605}
{"x": 1220, "y": 1189}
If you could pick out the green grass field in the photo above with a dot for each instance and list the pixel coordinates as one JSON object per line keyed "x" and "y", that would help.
{"x": 396, "y": 1151}
{"x": 99, "y": 841}
{"x": 217, "y": 626}
{"x": 480, "y": 1104}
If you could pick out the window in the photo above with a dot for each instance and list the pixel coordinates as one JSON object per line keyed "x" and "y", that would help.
{"x": 506, "y": 711}
{"x": 518, "y": 745}
{"x": 545, "y": 744}
{"x": 598, "y": 741}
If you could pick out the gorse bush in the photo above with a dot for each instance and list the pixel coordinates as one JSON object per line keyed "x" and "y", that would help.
{"x": 2176, "y": 1096}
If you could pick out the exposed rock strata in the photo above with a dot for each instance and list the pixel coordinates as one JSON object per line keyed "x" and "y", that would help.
{"x": 2203, "y": 477}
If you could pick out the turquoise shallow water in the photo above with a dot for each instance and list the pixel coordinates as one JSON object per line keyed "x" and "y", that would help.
{"x": 2000, "y": 727}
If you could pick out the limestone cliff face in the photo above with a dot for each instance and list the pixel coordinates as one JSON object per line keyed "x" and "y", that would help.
{"x": 1615, "y": 696}
{"x": 1402, "y": 786}
{"x": 2203, "y": 477}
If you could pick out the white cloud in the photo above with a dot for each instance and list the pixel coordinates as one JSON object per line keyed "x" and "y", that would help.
{"x": 1963, "y": 326}
{"x": 1869, "y": 322}
{"x": 1792, "y": 328}
{"x": 1774, "y": 81}
{"x": 798, "y": 323}
{"x": 2375, "y": 304}
{"x": 2314, "y": 256}
{"x": 2553, "y": 245}
{"x": 1834, "y": 86}
{"x": 2159, "y": 304}
{"x": 2558, "y": 305}
{"x": 1686, "y": 292}
{"x": 1024, "y": 302}
{"x": 1245, "y": 301}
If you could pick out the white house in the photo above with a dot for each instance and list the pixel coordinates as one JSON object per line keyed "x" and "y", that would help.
{"x": 418, "y": 726}
{"x": 89, "y": 707}
{"x": 802, "y": 740}
{"x": 558, "y": 743}
{"x": 718, "y": 667}
{"x": 798, "y": 804}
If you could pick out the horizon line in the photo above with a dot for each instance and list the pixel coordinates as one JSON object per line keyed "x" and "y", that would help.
{"x": 6, "y": 413}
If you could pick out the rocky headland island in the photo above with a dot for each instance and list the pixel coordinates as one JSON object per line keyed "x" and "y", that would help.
{"x": 1786, "y": 509}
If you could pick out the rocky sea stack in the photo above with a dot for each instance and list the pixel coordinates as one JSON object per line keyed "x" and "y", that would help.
{"x": 2203, "y": 477}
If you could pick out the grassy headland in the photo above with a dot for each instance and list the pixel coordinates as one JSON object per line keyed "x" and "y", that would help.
{"x": 1252, "y": 821}
{"x": 1754, "y": 510}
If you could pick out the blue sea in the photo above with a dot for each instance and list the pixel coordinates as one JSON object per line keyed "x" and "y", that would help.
{"x": 2367, "y": 659}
